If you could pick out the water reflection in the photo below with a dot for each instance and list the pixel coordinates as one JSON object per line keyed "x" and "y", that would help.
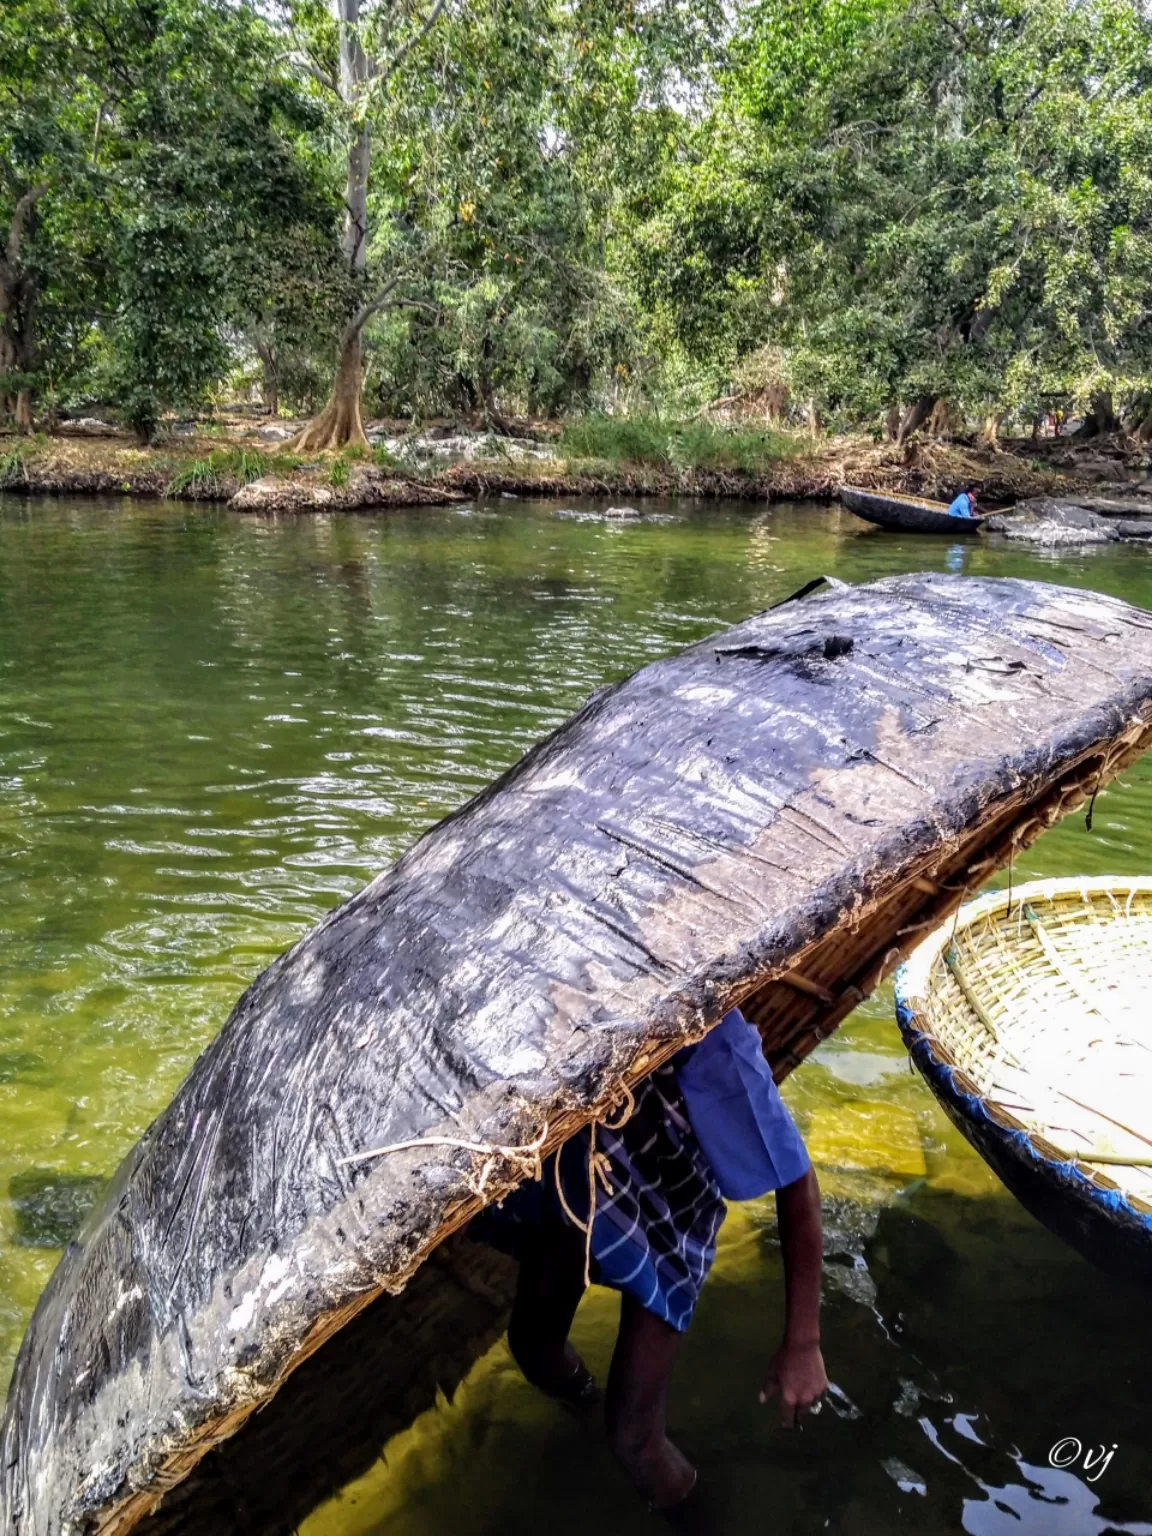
{"x": 1048, "y": 1502}
{"x": 955, "y": 559}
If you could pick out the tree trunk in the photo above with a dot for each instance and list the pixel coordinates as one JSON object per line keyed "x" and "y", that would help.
{"x": 339, "y": 424}
{"x": 1143, "y": 429}
{"x": 915, "y": 417}
{"x": 493, "y": 419}
{"x": 18, "y": 311}
{"x": 269, "y": 376}
{"x": 939, "y": 421}
{"x": 775, "y": 402}
{"x": 7, "y": 356}
{"x": 17, "y": 352}
{"x": 892, "y": 424}
{"x": 465, "y": 392}
{"x": 992, "y": 424}
{"x": 1101, "y": 418}
{"x": 354, "y": 240}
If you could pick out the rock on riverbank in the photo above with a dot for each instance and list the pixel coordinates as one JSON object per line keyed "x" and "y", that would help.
{"x": 1045, "y": 521}
{"x": 366, "y": 488}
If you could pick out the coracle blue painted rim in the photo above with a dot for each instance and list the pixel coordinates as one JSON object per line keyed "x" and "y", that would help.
{"x": 941, "y": 1078}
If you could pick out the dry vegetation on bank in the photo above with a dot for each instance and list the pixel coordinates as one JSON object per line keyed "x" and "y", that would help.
{"x": 633, "y": 459}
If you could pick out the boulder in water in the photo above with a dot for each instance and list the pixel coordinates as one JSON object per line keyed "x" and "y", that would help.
{"x": 1044, "y": 520}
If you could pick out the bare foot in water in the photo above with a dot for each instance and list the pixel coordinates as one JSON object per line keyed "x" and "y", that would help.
{"x": 661, "y": 1473}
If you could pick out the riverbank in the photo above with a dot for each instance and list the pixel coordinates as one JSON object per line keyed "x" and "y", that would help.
{"x": 255, "y": 476}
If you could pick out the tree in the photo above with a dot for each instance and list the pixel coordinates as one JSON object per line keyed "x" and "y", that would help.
{"x": 44, "y": 122}
{"x": 353, "y": 54}
{"x": 496, "y": 170}
{"x": 917, "y": 202}
{"x": 477, "y": 146}
{"x": 154, "y": 168}
{"x": 206, "y": 184}
{"x": 18, "y": 308}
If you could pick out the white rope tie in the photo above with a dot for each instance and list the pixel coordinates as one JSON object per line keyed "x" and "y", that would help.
{"x": 526, "y": 1159}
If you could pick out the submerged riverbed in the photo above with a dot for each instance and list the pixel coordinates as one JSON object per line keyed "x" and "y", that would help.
{"x": 213, "y": 728}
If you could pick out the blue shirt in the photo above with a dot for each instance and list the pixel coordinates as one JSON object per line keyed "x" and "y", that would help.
{"x": 736, "y": 1112}
{"x": 962, "y": 506}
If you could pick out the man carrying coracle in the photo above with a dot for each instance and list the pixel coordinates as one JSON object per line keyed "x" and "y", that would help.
{"x": 708, "y": 1126}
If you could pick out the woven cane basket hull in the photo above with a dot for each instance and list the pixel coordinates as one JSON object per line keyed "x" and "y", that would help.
{"x": 1028, "y": 1017}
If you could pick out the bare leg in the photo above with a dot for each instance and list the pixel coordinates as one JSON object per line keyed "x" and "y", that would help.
{"x": 548, "y": 1292}
{"x": 637, "y": 1406}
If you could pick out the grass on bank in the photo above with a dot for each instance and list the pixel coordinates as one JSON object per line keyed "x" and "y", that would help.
{"x": 680, "y": 446}
{"x": 12, "y": 468}
{"x": 217, "y": 476}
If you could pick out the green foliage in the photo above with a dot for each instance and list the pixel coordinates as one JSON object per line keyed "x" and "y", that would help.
{"x": 207, "y": 140}
{"x": 914, "y": 201}
{"x": 339, "y": 473}
{"x": 650, "y": 442}
{"x": 197, "y": 481}
{"x": 617, "y": 439}
{"x": 166, "y": 146}
{"x": 492, "y": 196}
{"x": 582, "y": 208}
{"x": 13, "y": 468}
{"x": 216, "y": 476}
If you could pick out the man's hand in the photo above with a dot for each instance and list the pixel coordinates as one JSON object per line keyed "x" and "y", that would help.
{"x": 798, "y": 1377}
{"x": 797, "y": 1373}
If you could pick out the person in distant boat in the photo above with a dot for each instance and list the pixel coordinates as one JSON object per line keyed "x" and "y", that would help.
{"x": 708, "y": 1126}
{"x": 965, "y": 503}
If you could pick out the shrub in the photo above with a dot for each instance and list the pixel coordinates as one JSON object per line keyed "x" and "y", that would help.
{"x": 672, "y": 445}
{"x": 13, "y": 469}
{"x": 215, "y": 477}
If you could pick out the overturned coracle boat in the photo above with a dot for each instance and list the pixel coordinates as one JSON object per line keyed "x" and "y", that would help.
{"x": 763, "y": 819}
{"x": 906, "y": 514}
{"x": 1029, "y": 1019}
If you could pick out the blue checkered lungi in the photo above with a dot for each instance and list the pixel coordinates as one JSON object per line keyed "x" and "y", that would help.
{"x": 655, "y": 1225}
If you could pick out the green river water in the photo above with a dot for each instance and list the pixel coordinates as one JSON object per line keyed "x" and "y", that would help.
{"x": 213, "y": 728}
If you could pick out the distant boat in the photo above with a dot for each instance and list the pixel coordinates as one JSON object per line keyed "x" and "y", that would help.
{"x": 1028, "y": 1016}
{"x": 906, "y": 514}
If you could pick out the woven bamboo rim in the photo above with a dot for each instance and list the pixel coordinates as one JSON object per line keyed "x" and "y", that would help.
{"x": 1036, "y": 998}
{"x": 902, "y": 496}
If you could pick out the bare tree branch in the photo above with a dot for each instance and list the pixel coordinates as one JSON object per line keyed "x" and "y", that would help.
{"x": 366, "y": 311}
{"x": 384, "y": 73}
{"x": 380, "y": 301}
{"x": 304, "y": 58}
{"x": 16, "y": 229}
{"x": 323, "y": 77}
